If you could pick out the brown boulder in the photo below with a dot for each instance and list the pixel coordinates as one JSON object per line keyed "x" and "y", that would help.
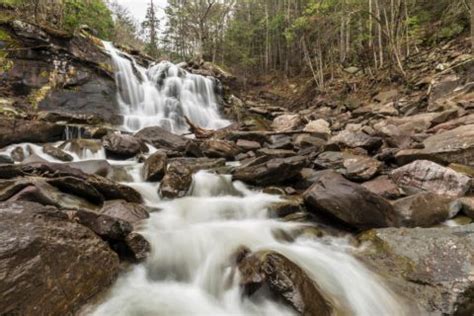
{"x": 123, "y": 146}
{"x": 155, "y": 166}
{"x": 333, "y": 195}
{"x": 425, "y": 209}
{"x": 177, "y": 180}
{"x": 349, "y": 139}
{"x": 262, "y": 171}
{"x": 161, "y": 138}
{"x": 285, "y": 280}
{"x": 57, "y": 153}
{"x": 50, "y": 265}
{"x": 14, "y": 131}
{"x": 424, "y": 175}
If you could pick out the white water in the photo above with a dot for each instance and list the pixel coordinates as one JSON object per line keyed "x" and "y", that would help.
{"x": 163, "y": 95}
{"x": 190, "y": 270}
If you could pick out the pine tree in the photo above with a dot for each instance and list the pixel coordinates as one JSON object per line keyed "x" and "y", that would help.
{"x": 151, "y": 27}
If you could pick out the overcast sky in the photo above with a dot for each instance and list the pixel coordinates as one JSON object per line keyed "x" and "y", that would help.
{"x": 138, "y": 7}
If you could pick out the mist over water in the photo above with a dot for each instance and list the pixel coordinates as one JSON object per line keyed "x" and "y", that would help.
{"x": 163, "y": 95}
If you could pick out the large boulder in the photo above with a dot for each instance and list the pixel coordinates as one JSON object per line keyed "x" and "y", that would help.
{"x": 334, "y": 196}
{"x": 424, "y": 175}
{"x": 262, "y": 171}
{"x": 161, "y": 138}
{"x": 69, "y": 179}
{"x": 425, "y": 209}
{"x": 50, "y": 265}
{"x": 44, "y": 191}
{"x": 13, "y": 131}
{"x": 123, "y": 146}
{"x": 285, "y": 280}
{"x": 384, "y": 187}
{"x": 155, "y": 166}
{"x": 432, "y": 266}
{"x": 454, "y": 146}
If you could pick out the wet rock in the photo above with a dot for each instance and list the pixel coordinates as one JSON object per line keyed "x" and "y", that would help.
{"x": 177, "y": 180}
{"x": 49, "y": 264}
{"x": 57, "y": 153}
{"x": 161, "y": 138}
{"x": 18, "y": 154}
{"x": 247, "y": 145}
{"x": 286, "y": 123}
{"x": 319, "y": 128}
{"x": 287, "y": 206}
{"x": 454, "y": 146}
{"x": 348, "y": 139}
{"x": 108, "y": 227}
{"x": 384, "y": 187}
{"x": 280, "y": 142}
{"x": 424, "y": 175}
{"x": 432, "y": 266}
{"x": 67, "y": 178}
{"x": 130, "y": 212}
{"x": 256, "y": 136}
{"x": 262, "y": 171}
{"x": 123, "y": 146}
{"x": 214, "y": 148}
{"x": 285, "y": 280}
{"x": 14, "y": 131}
{"x": 155, "y": 166}
{"x": 425, "y": 209}
{"x": 138, "y": 247}
{"x": 45, "y": 192}
{"x": 334, "y": 196}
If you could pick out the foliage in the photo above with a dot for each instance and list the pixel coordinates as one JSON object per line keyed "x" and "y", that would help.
{"x": 93, "y": 13}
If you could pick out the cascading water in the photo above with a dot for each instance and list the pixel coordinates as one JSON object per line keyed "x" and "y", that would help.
{"x": 190, "y": 270}
{"x": 163, "y": 95}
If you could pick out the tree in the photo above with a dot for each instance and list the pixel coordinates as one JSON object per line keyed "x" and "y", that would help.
{"x": 151, "y": 27}
{"x": 125, "y": 27}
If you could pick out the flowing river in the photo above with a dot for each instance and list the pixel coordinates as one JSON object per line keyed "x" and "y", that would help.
{"x": 190, "y": 270}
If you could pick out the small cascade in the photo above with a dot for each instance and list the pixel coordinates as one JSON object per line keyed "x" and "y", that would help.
{"x": 190, "y": 270}
{"x": 163, "y": 95}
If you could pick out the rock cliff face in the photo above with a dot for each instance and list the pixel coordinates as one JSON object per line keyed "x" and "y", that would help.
{"x": 48, "y": 70}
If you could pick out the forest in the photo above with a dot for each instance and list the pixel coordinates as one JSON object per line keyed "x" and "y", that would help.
{"x": 255, "y": 37}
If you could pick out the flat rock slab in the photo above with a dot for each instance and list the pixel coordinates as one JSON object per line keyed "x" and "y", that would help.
{"x": 431, "y": 266}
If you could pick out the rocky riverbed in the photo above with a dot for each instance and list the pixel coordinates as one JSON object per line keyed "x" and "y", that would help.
{"x": 393, "y": 177}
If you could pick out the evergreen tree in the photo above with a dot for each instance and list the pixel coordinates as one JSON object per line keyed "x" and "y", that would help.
{"x": 150, "y": 28}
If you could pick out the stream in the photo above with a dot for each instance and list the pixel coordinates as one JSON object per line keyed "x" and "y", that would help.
{"x": 190, "y": 270}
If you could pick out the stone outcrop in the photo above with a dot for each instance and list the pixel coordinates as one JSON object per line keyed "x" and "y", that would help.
{"x": 334, "y": 196}
{"x": 49, "y": 263}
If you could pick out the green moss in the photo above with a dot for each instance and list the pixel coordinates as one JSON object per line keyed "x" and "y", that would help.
{"x": 38, "y": 95}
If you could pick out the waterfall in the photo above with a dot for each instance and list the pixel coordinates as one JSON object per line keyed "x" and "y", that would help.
{"x": 163, "y": 95}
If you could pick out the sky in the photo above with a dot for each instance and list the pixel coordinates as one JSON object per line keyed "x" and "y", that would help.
{"x": 138, "y": 7}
